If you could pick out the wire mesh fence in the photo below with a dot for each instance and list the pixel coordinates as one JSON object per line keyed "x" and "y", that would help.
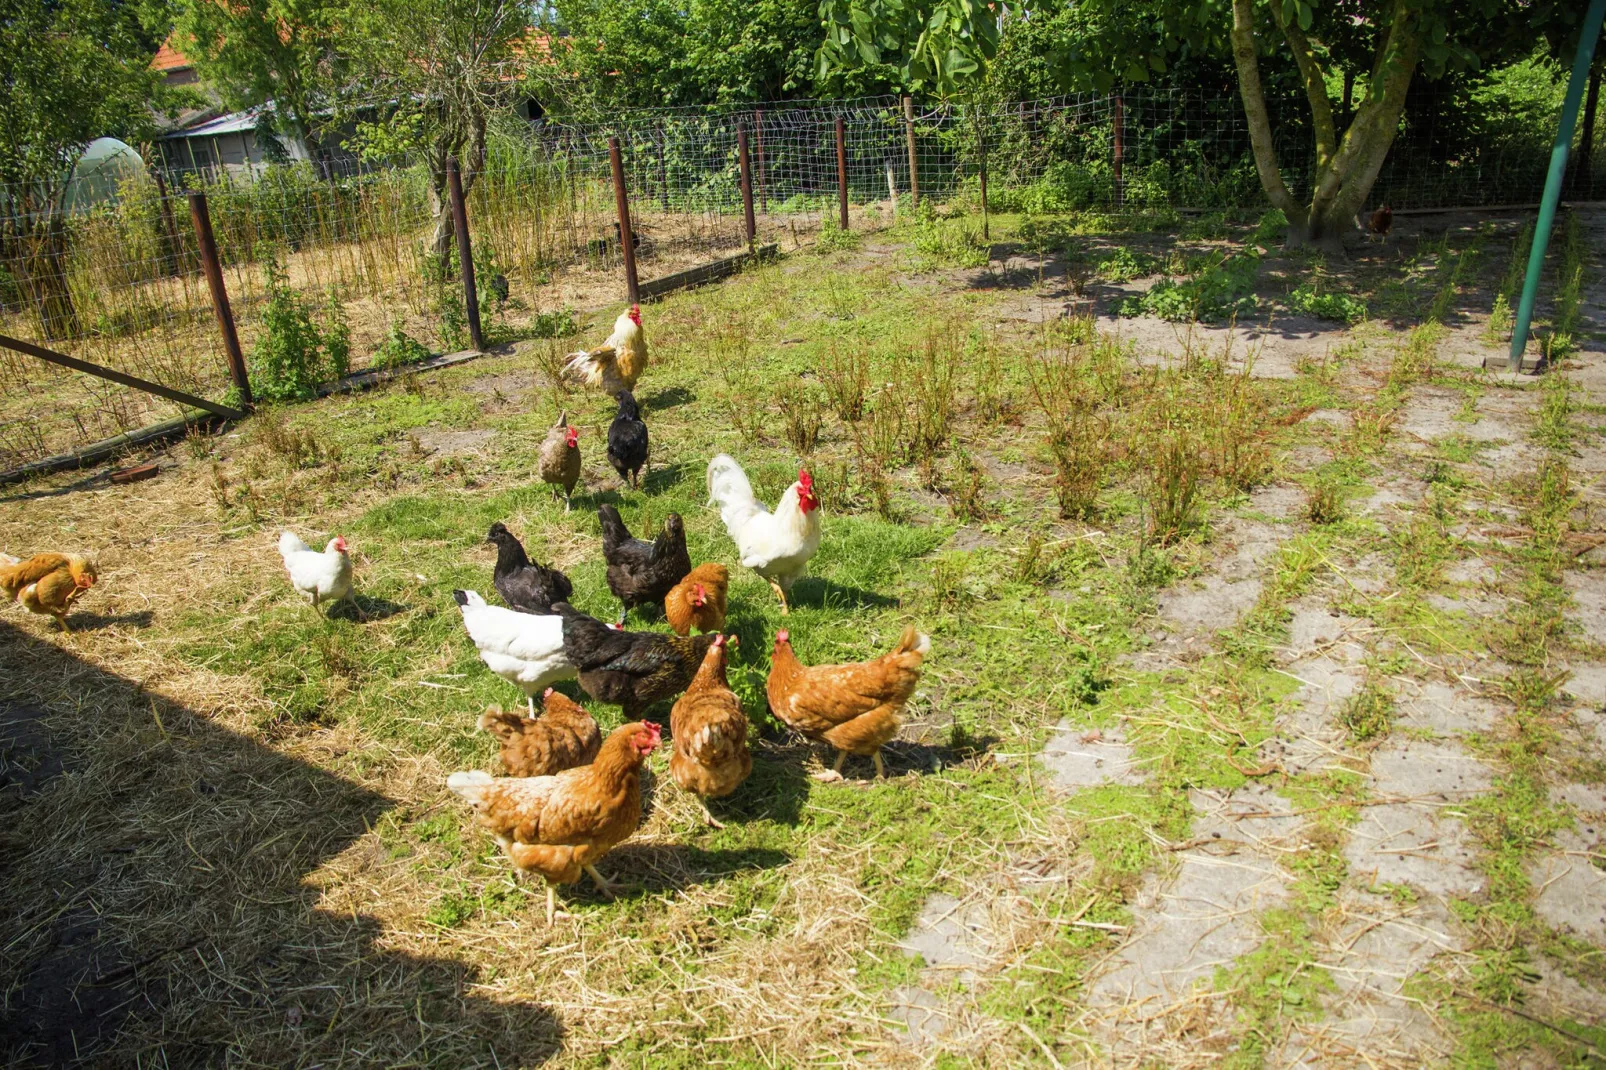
{"x": 358, "y": 251}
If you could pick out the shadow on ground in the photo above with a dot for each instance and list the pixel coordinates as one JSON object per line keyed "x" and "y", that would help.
{"x": 161, "y": 905}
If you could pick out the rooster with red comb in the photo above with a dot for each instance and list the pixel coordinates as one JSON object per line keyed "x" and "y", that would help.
{"x": 616, "y": 364}
{"x": 776, "y": 545}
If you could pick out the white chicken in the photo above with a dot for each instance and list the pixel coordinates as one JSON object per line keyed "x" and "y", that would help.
{"x": 522, "y": 648}
{"x": 322, "y": 577}
{"x": 618, "y": 363}
{"x": 776, "y": 545}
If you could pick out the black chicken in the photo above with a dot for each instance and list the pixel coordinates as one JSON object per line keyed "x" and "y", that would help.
{"x": 524, "y": 585}
{"x": 627, "y": 439}
{"x": 604, "y": 246}
{"x": 629, "y": 669}
{"x": 640, "y": 573}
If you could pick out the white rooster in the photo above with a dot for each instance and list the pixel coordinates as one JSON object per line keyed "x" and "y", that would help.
{"x": 776, "y": 545}
{"x": 522, "y": 648}
{"x": 618, "y": 363}
{"x": 322, "y": 577}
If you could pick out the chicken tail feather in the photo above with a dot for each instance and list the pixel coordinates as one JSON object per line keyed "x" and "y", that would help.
{"x": 913, "y": 641}
{"x": 470, "y": 785}
{"x": 290, "y": 543}
{"x": 502, "y": 725}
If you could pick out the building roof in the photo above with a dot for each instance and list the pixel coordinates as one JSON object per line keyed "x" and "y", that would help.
{"x": 168, "y": 58}
{"x": 232, "y": 123}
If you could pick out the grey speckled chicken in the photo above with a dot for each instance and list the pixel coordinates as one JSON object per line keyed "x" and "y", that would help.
{"x": 560, "y": 458}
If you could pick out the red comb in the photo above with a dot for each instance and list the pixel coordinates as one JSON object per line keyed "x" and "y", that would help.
{"x": 783, "y": 636}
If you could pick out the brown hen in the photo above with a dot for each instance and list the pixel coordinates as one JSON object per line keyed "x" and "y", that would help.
{"x": 563, "y": 737}
{"x": 47, "y": 584}
{"x": 698, "y": 601}
{"x": 710, "y": 758}
{"x": 560, "y": 826}
{"x": 854, "y": 708}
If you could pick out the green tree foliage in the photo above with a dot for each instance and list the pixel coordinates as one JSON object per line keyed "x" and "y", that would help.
{"x": 1353, "y": 61}
{"x": 256, "y": 51}
{"x": 427, "y": 75}
{"x": 70, "y": 71}
{"x": 650, "y": 53}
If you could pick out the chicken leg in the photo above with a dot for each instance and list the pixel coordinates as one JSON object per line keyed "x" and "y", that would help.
{"x": 781, "y": 594}
{"x": 602, "y": 884}
{"x": 708, "y": 816}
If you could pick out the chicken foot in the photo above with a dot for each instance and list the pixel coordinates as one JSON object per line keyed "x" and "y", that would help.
{"x": 708, "y": 815}
{"x": 786, "y": 610}
{"x": 601, "y": 882}
{"x": 842, "y": 756}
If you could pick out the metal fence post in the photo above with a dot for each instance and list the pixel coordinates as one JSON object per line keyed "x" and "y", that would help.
{"x": 213, "y": 268}
{"x": 465, "y": 253}
{"x": 627, "y": 237}
{"x": 842, "y": 168}
{"x": 747, "y": 185}
{"x": 1120, "y": 148}
{"x": 914, "y": 159}
{"x": 758, "y": 132}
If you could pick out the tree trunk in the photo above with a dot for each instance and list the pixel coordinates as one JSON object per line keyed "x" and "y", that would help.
{"x": 44, "y": 277}
{"x": 1582, "y": 183}
{"x": 1347, "y": 167}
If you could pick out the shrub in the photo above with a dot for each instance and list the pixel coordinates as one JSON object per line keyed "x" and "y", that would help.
{"x": 398, "y": 348}
{"x": 1222, "y": 288}
{"x": 1309, "y": 300}
{"x": 834, "y": 239}
{"x": 1124, "y": 265}
{"x": 293, "y": 354}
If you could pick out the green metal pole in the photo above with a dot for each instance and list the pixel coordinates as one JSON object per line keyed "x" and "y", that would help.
{"x": 1558, "y": 169}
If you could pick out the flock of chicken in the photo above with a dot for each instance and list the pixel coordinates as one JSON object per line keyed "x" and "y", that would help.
{"x": 571, "y": 795}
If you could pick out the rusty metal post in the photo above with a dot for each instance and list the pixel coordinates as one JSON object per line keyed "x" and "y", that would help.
{"x": 914, "y": 160}
{"x": 1120, "y": 148}
{"x": 627, "y": 237}
{"x": 663, "y": 172}
{"x": 842, "y": 168}
{"x": 747, "y": 185}
{"x": 758, "y": 132}
{"x": 213, "y": 268}
{"x": 465, "y": 253}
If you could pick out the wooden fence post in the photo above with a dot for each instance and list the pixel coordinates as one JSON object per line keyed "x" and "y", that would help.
{"x": 842, "y": 168}
{"x": 627, "y": 237}
{"x": 981, "y": 140}
{"x": 914, "y": 160}
{"x": 747, "y": 185}
{"x": 1120, "y": 148}
{"x": 172, "y": 252}
{"x": 465, "y": 253}
{"x": 758, "y": 132}
{"x": 213, "y": 268}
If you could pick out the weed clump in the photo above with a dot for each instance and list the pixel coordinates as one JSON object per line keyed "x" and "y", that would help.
{"x": 294, "y": 353}
{"x": 1369, "y": 713}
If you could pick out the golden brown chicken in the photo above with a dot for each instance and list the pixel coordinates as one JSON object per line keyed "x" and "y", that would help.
{"x": 563, "y": 737}
{"x": 710, "y": 758}
{"x": 618, "y": 363}
{"x": 698, "y": 601}
{"x": 559, "y": 458}
{"x": 854, "y": 708}
{"x": 47, "y": 584}
{"x": 559, "y": 826}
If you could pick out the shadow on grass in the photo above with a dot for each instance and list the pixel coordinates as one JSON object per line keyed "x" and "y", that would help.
{"x": 825, "y": 594}
{"x": 640, "y": 869}
{"x": 668, "y": 399}
{"x": 373, "y": 607}
{"x": 658, "y": 480}
{"x": 89, "y": 622}
{"x": 159, "y": 897}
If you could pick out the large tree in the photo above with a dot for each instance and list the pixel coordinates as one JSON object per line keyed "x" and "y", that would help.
{"x": 653, "y": 53}
{"x": 257, "y": 52}
{"x": 70, "y": 71}
{"x": 426, "y": 75}
{"x": 1355, "y": 60}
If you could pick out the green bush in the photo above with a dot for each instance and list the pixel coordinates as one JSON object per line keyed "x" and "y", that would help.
{"x": 1308, "y": 299}
{"x": 1124, "y": 265}
{"x": 293, "y": 354}
{"x": 1222, "y": 288}
{"x": 834, "y": 239}
{"x": 398, "y": 348}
